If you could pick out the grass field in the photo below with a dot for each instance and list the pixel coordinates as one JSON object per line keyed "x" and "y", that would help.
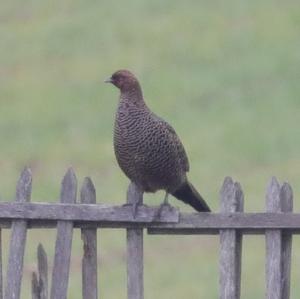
{"x": 224, "y": 73}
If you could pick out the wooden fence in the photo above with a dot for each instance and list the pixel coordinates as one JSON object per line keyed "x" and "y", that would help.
{"x": 278, "y": 224}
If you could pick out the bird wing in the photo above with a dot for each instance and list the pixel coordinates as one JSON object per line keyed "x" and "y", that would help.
{"x": 177, "y": 143}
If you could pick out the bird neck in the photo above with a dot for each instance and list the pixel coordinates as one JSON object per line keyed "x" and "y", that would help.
{"x": 133, "y": 94}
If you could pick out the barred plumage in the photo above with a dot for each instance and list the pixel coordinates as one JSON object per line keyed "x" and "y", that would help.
{"x": 147, "y": 149}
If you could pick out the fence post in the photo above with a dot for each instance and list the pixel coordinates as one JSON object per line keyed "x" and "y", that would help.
{"x": 63, "y": 246}
{"x": 135, "y": 254}
{"x": 278, "y": 243}
{"x": 89, "y": 238}
{"x": 18, "y": 240}
{"x": 232, "y": 201}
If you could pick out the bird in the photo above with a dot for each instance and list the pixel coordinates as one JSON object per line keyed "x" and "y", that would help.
{"x": 147, "y": 148}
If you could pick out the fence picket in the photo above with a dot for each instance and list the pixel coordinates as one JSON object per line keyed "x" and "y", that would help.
{"x": 39, "y": 281}
{"x": 230, "y": 242}
{"x": 135, "y": 251}
{"x": 61, "y": 265}
{"x": 278, "y": 243}
{"x": 43, "y": 271}
{"x": 35, "y": 288}
{"x": 273, "y": 245}
{"x": 286, "y": 196}
{"x": 89, "y": 238}
{"x": 18, "y": 240}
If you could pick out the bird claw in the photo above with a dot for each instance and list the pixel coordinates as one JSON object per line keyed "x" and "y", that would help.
{"x": 166, "y": 205}
{"x": 163, "y": 206}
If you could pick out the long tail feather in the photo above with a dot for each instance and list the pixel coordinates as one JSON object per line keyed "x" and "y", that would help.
{"x": 189, "y": 195}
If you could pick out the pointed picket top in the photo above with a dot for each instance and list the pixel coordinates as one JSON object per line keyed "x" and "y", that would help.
{"x": 23, "y": 190}
{"x": 231, "y": 196}
{"x": 273, "y": 196}
{"x": 228, "y": 181}
{"x": 226, "y": 194}
{"x": 88, "y": 192}
{"x": 286, "y": 197}
{"x": 42, "y": 257}
{"x": 239, "y": 196}
{"x": 43, "y": 272}
{"x": 42, "y": 262}
{"x": 69, "y": 187}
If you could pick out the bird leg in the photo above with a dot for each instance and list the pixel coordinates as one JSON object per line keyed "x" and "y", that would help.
{"x": 165, "y": 204}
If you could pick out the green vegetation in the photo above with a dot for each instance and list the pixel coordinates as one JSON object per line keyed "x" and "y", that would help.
{"x": 224, "y": 73}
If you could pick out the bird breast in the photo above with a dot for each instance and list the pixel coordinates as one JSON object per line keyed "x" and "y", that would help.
{"x": 146, "y": 150}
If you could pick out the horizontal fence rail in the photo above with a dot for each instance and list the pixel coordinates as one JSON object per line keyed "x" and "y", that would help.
{"x": 278, "y": 224}
{"x": 167, "y": 223}
{"x": 86, "y": 212}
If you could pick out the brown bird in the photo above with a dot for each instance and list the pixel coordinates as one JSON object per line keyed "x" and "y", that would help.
{"x": 147, "y": 148}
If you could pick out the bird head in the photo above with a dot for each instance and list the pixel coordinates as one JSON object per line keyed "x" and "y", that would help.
{"x": 123, "y": 79}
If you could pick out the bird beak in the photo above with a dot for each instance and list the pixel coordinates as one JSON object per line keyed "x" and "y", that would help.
{"x": 109, "y": 80}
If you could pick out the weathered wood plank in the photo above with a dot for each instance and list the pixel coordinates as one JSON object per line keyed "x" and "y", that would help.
{"x": 43, "y": 272}
{"x": 286, "y": 196}
{"x": 90, "y": 212}
{"x": 135, "y": 251}
{"x": 63, "y": 246}
{"x": 39, "y": 281}
{"x": 248, "y": 223}
{"x": 35, "y": 288}
{"x": 89, "y": 238}
{"x": 273, "y": 245}
{"x": 232, "y": 200}
{"x": 18, "y": 240}
{"x": 278, "y": 244}
{"x": 189, "y": 223}
{"x": 209, "y": 223}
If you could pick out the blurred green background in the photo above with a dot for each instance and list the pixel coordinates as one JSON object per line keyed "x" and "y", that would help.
{"x": 225, "y": 74}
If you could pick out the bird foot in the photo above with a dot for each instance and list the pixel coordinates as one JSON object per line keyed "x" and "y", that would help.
{"x": 164, "y": 206}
